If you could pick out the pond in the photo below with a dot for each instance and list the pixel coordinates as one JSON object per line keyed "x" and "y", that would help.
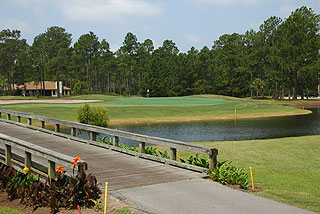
{"x": 244, "y": 129}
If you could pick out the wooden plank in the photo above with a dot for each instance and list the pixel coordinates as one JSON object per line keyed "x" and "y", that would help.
{"x": 120, "y": 170}
{"x": 37, "y": 150}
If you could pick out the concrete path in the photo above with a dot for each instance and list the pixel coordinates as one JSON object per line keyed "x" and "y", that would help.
{"x": 200, "y": 196}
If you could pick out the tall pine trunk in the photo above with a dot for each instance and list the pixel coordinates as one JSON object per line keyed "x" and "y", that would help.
{"x": 295, "y": 85}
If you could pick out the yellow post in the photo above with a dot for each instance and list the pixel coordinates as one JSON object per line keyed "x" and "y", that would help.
{"x": 251, "y": 178}
{"x": 105, "y": 199}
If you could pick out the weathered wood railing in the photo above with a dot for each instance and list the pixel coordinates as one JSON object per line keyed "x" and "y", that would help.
{"x": 34, "y": 150}
{"x": 116, "y": 134}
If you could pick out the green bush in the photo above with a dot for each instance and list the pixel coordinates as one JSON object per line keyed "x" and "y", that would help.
{"x": 196, "y": 161}
{"x": 225, "y": 173}
{"x": 97, "y": 116}
{"x": 76, "y": 88}
{"x": 65, "y": 191}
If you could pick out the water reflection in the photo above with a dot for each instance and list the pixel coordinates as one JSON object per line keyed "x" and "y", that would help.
{"x": 244, "y": 129}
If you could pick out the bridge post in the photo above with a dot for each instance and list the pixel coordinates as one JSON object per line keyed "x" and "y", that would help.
{"x": 213, "y": 153}
{"x": 173, "y": 153}
{"x": 57, "y": 128}
{"x": 8, "y": 155}
{"x": 51, "y": 169}
{"x": 93, "y": 136}
{"x": 142, "y": 147}
{"x": 8, "y": 116}
{"x": 27, "y": 159}
{"x": 116, "y": 141}
{"x": 29, "y": 121}
{"x": 73, "y": 131}
{"x": 19, "y": 119}
{"x": 43, "y": 124}
{"x": 82, "y": 167}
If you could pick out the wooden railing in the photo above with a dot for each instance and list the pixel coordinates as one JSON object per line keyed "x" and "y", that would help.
{"x": 34, "y": 150}
{"x": 116, "y": 135}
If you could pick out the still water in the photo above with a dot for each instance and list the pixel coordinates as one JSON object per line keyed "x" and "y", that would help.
{"x": 244, "y": 129}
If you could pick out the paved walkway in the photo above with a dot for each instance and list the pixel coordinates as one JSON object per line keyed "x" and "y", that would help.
{"x": 200, "y": 196}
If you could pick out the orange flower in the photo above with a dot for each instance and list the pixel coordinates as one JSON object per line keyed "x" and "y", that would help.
{"x": 75, "y": 160}
{"x": 59, "y": 169}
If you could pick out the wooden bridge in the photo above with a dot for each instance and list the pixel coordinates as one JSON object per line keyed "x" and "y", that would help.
{"x": 41, "y": 149}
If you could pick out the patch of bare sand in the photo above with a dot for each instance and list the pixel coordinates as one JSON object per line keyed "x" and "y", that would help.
{"x": 113, "y": 204}
{"x": 47, "y": 101}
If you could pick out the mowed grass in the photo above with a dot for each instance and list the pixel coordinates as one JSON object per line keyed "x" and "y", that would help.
{"x": 287, "y": 169}
{"x": 138, "y": 110}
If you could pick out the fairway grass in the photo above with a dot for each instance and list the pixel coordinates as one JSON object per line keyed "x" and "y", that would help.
{"x": 123, "y": 110}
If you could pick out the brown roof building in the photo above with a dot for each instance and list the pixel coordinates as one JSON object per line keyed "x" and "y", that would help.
{"x": 49, "y": 88}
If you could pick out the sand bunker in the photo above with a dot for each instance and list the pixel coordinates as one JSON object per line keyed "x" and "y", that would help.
{"x": 47, "y": 101}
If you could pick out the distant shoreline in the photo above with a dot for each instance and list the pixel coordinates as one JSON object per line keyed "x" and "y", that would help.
{"x": 203, "y": 118}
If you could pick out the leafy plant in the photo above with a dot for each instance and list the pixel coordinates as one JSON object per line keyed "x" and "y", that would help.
{"x": 196, "y": 161}
{"x": 125, "y": 146}
{"x": 97, "y": 116}
{"x": 106, "y": 139}
{"x": 164, "y": 154}
{"x": 151, "y": 151}
{"x": 225, "y": 173}
{"x": 65, "y": 191}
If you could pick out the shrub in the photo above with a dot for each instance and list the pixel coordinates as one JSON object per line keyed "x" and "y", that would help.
{"x": 196, "y": 161}
{"x": 65, "y": 191}
{"x": 97, "y": 116}
{"x": 225, "y": 173}
{"x": 76, "y": 88}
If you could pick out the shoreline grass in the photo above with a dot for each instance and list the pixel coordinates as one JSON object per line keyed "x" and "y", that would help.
{"x": 286, "y": 168}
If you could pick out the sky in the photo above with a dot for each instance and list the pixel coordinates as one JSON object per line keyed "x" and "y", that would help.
{"x": 188, "y": 23}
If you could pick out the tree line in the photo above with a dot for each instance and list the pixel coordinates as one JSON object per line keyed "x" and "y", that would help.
{"x": 281, "y": 59}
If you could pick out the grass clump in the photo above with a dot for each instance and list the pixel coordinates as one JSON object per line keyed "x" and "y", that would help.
{"x": 8, "y": 210}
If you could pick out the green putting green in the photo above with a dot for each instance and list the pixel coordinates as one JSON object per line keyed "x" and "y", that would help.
{"x": 170, "y": 101}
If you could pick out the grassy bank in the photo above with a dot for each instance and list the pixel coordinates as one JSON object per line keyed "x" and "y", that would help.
{"x": 141, "y": 110}
{"x": 287, "y": 169}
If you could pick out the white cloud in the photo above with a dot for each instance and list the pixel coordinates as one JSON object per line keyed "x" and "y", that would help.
{"x": 24, "y": 3}
{"x": 286, "y": 9}
{"x": 13, "y": 24}
{"x": 108, "y": 9}
{"x": 227, "y": 2}
{"x": 193, "y": 39}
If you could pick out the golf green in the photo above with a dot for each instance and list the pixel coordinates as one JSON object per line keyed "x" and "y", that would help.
{"x": 170, "y": 101}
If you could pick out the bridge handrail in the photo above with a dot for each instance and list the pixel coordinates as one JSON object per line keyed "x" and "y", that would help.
{"x": 32, "y": 149}
{"x": 143, "y": 139}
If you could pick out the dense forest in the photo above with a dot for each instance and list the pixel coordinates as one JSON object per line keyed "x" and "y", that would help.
{"x": 281, "y": 59}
